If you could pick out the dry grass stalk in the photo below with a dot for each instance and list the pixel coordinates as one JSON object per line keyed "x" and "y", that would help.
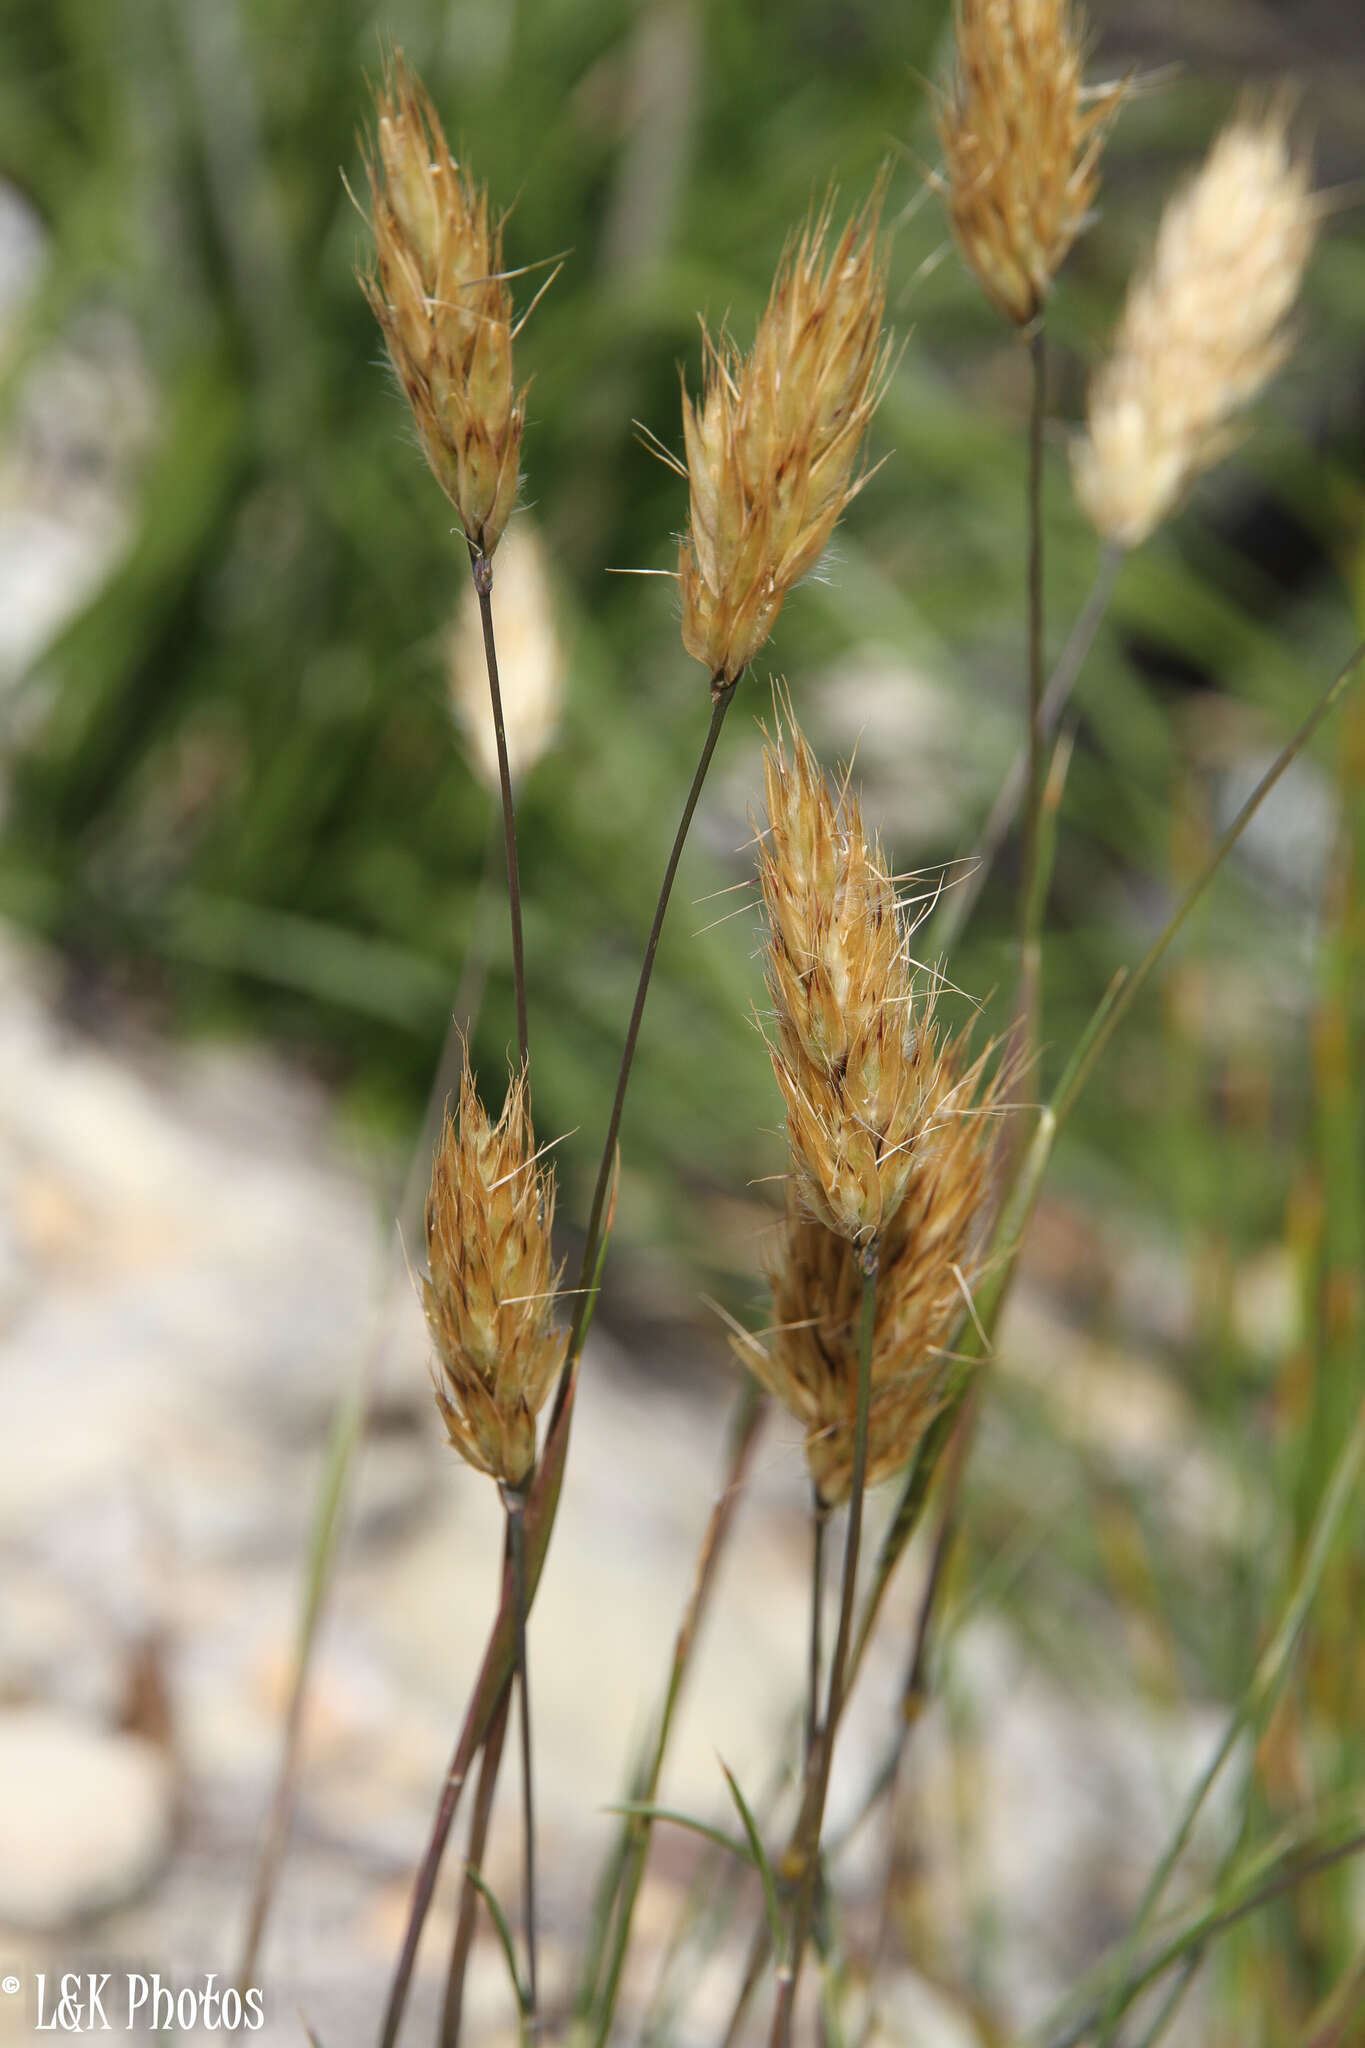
{"x": 773, "y": 443}
{"x": 489, "y": 1289}
{"x": 442, "y": 301}
{"x": 1203, "y": 329}
{"x": 1021, "y": 141}
{"x": 530, "y": 662}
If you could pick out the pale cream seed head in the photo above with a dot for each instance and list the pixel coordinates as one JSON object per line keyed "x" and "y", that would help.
{"x": 1204, "y": 327}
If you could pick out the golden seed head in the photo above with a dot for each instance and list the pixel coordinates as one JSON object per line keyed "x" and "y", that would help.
{"x": 773, "y": 442}
{"x": 530, "y": 661}
{"x": 1021, "y": 142}
{"x": 847, "y": 1051}
{"x": 441, "y": 299}
{"x": 489, "y": 1288}
{"x": 929, "y": 1254}
{"x": 1203, "y": 328}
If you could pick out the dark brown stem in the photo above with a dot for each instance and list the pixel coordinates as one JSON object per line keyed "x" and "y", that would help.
{"x": 722, "y": 695}
{"x": 804, "y": 1853}
{"x": 452, "y": 2009}
{"x": 819, "y": 1513}
{"x": 515, "y": 1504}
{"x": 482, "y": 566}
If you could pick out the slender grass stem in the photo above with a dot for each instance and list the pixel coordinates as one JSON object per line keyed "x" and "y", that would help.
{"x": 804, "y": 1854}
{"x": 482, "y": 567}
{"x": 722, "y": 696}
{"x": 452, "y": 2008}
{"x": 749, "y": 1412}
{"x": 1123, "y": 994}
{"x": 958, "y": 903}
{"x": 1029, "y": 963}
{"x": 1260, "y": 1694}
{"x": 819, "y": 1517}
{"x": 1197, "y": 1929}
{"x": 347, "y": 1432}
{"x": 514, "y": 1501}
{"x": 499, "y": 1655}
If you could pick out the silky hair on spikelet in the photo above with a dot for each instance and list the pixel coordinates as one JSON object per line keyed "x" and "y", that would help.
{"x": 929, "y": 1255}
{"x": 773, "y": 442}
{"x": 489, "y": 1287}
{"x": 843, "y": 1041}
{"x": 1021, "y": 140}
{"x": 443, "y": 305}
{"x": 1204, "y": 327}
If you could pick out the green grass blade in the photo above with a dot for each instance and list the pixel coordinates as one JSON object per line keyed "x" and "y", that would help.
{"x": 759, "y": 1854}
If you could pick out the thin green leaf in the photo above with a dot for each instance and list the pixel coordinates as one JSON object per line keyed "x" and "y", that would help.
{"x": 509, "y": 1949}
{"x": 642, "y": 1807}
{"x": 759, "y": 1854}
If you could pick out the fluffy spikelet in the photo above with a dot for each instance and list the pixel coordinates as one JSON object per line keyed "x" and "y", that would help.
{"x": 849, "y": 1058}
{"x": 443, "y": 305}
{"x": 773, "y": 443}
{"x": 530, "y": 661}
{"x": 929, "y": 1255}
{"x": 1021, "y": 142}
{"x": 1203, "y": 328}
{"x": 489, "y": 1286}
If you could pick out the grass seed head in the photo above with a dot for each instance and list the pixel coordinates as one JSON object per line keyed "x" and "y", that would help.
{"x": 1204, "y": 327}
{"x": 443, "y": 305}
{"x": 489, "y": 1288}
{"x": 1021, "y": 142}
{"x": 929, "y": 1256}
{"x": 846, "y": 1048}
{"x": 773, "y": 442}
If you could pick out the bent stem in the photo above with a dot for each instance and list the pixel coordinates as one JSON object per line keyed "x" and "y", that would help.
{"x": 452, "y": 2008}
{"x": 482, "y": 567}
{"x": 803, "y": 1856}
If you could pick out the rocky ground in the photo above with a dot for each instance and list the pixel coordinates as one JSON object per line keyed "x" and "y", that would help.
{"x": 191, "y": 1271}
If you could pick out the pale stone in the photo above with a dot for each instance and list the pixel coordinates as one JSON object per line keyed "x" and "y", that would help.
{"x": 85, "y": 1818}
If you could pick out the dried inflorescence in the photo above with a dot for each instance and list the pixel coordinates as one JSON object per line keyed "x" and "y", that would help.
{"x": 1021, "y": 142}
{"x": 489, "y": 1289}
{"x": 890, "y": 1129}
{"x": 844, "y": 1045}
{"x": 442, "y": 301}
{"x": 530, "y": 661}
{"x": 1204, "y": 327}
{"x": 773, "y": 443}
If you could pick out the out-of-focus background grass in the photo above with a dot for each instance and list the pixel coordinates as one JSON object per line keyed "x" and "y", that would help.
{"x": 235, "y": 803}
